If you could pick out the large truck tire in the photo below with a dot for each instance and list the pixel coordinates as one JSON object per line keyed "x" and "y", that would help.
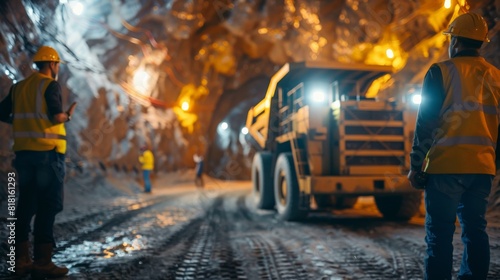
{"x": 335, "y": 202}
{"x": 286, "y": 189}
{"x": 399, "y": 207}
{"x": 262, "y": 180}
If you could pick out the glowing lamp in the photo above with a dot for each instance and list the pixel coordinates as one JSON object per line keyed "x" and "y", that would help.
{"x": 416, "y": 99}
{"x": 185, "y": 106}
{"x": 76, "y": 7}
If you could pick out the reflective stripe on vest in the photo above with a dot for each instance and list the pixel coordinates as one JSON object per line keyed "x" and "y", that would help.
{"x": 30, "y": 134}
{"x": 24, "y": 116}
{"x": 465, "y": 140}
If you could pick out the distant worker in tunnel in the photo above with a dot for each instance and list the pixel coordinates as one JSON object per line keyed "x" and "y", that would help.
{"x": 198, "y": 180}
{"x": 34, "y": 108}
{"x": 148, "y": 163}
{"x": 454, "y": 150}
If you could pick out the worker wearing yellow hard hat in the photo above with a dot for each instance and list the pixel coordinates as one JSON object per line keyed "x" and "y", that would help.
{"x": 453, "y": 154}
{"x": 46, "y": 53}
{"x": 35, "y": 110}
{"x": 471, "y": 26}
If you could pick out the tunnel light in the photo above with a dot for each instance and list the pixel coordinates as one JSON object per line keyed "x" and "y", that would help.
{"x": 318, "y": 95}
{"x": 224, "y": 125}
{"x": 416, "y": 98}
{"x": 447, "y": 4}
{"x": 141, "y": 80}
{"x": 76, "y": 7}
{"x": 263, "y": 30}
{"x": 244, "y": 130}
{"x": 185, "y": 106}
{"x": 223, "y": 131}
{"x": 389, "y": 53}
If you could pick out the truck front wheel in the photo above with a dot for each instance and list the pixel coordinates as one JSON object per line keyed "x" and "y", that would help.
{"x": 262, "y": 180}
{"x": 398, "y": 207}
{"x": 287, "y": 192}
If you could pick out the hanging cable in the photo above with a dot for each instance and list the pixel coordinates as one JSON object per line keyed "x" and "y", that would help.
{"x": 172, "y": 77}
{"x": 145, "y": 100}
{"x": 148, "y": 33}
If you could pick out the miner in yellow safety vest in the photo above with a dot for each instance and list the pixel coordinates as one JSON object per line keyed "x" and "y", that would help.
{"x": 34, "y": 108}
{"x": 453, "y": 155}
{"x": 148, "y": 163}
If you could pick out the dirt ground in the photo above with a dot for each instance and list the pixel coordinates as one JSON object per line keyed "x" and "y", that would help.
{"x": 111, "y": 230}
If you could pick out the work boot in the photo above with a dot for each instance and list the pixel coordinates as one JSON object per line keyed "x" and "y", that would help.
{"x": 43, "y": 267}
{"x": 24, "y": 263}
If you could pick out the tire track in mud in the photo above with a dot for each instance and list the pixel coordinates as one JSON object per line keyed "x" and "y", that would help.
{"x": 90, "y": 226}
{"x": 391, "y": 257}
{"x": 262, "y": 252}
{"x": 352, "y": 255}
{"x": 407, "y": 255}
{"x": 383, "y": 245}
{"x": 94, "y": 227}
{"x": 341, "y": 252}
{"x": 153, "y": 263}
{"x": 273, "y": 260}
{"x": 210, "y": 255}
{"x": 210, "y": 247}
{"x": 200, "y": 249}
{"x": 342, "y": 256}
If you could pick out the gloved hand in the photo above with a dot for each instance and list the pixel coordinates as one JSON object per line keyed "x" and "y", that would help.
{"x": 418, "y": 179}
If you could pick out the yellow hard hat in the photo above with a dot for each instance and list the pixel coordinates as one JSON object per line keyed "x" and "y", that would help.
{"x": 469, "y": 25}
{"x": 46, "y": 53}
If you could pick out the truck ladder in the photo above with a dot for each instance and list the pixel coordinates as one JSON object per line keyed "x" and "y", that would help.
{"x": 298, "y": 157}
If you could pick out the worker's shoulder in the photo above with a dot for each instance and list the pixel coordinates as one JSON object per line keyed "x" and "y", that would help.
{"x": 492, "y": 69}
{"x": 54, "y": 86}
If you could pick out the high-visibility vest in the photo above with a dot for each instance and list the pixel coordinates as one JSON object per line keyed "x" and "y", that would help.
{"x": 465, "y": 140}
{"x": 147, "y": 159}
{"x": 32, "y": 128}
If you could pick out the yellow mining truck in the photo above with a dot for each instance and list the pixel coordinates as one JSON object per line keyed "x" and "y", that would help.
{"x": 323, "y": 143}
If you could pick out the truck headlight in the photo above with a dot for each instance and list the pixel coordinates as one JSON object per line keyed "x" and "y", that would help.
{"x": 416, "y": 98}
{"x": 318, "y": 95}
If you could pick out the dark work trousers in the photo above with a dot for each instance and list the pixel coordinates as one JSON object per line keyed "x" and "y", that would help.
{"x": 146, "y": 174}
{"x": 446, "y": 196}
{"x": 41, "y": 178}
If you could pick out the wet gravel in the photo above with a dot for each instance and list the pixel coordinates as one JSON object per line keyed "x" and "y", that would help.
{"x": 217, "y": 234}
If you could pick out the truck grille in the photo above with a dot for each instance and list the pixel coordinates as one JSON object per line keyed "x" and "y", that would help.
{"x": 373, "y": 115}
{"x": 373, "y": 130}
{"x": 370, "y": 136}
{"x": 374, "y": 145}
{"x": 371, "y": 160}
